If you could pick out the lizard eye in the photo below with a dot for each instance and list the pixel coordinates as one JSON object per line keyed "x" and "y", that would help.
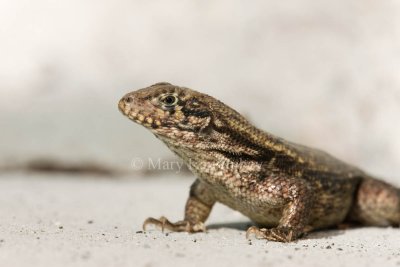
{"x": 169, "y": 100}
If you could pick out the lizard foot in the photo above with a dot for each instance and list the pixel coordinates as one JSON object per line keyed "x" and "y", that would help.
{"x": 279, "y": 234}
{"x": 180, "y": 226}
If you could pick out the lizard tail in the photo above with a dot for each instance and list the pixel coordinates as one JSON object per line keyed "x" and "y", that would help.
{"x": 376, "y": 203}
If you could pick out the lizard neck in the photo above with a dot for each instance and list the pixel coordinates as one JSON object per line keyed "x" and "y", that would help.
{"x": 224, "y": 153}
{"x": 213, "y": 166}
{"x": 228, "y": 120}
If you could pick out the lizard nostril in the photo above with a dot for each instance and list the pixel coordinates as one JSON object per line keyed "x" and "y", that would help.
{"x": 128, "y": 99}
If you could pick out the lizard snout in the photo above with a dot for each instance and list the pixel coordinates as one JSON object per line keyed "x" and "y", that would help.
{"x": 121, "y": 105}
{"x": 124, "y": 103}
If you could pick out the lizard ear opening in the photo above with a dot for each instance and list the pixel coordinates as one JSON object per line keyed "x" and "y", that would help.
{"x": 193, "y": 107}
{"x": 197, "y": 115}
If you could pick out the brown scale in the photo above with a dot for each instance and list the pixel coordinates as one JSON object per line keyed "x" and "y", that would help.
{"x": 285, "y": 188}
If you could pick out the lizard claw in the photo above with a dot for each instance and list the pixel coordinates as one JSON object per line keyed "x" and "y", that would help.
{"x": 279, "y": 234}
{"x": 257, "y": 232}
{"x": 152, "y": 221}
{"x": 180, "y": 226}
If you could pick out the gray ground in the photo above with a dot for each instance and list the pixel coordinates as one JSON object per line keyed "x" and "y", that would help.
{"x": 58, "y": 220}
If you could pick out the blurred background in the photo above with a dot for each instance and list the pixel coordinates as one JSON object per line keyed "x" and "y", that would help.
{"x": 321, "y": 73}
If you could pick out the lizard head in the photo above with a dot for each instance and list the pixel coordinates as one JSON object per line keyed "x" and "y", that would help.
{"x": 184, "y": 118}
{"x": 169, "y": 111}
{"x": 189, "y": 122}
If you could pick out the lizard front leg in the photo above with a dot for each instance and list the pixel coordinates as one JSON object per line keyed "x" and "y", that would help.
{"x": 297, "y": 198}
{"x": 197, "y": 209}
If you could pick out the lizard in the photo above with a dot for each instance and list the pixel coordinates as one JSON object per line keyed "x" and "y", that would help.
{"x": 286, "y": 189}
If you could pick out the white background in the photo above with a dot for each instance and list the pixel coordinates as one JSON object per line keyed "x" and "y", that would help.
{"x": 321, "y": 73}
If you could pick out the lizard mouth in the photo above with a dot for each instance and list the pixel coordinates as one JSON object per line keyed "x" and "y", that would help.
{"x": 135, "y": 115}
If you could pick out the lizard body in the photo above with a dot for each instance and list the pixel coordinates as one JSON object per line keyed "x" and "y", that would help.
{"x": 286, "y": 188}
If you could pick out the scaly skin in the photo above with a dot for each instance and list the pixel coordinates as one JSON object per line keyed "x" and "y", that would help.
{"x": 285, "y": 188}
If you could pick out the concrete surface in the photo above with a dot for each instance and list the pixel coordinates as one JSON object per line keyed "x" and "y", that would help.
{"x": 59, "y": 220}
